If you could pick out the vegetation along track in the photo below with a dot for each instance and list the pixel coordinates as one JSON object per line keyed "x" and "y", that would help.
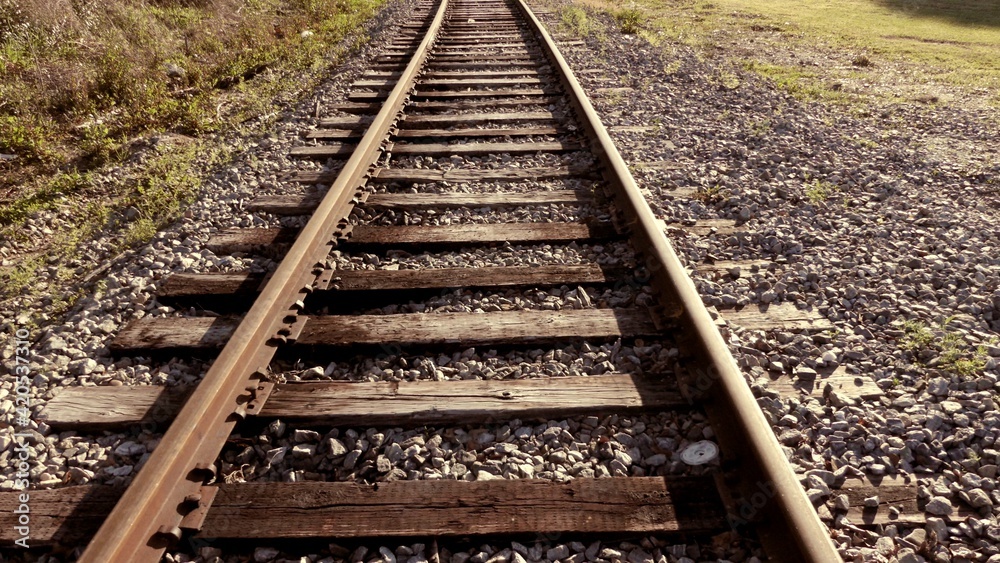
{"x": 471, "y": 79}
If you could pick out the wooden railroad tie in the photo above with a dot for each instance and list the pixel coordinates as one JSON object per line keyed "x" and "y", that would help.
{"x": 457, "y": 175}
{"x": 440, "y": 508}
{"x": 306, "y": 203}
{"x": 261, "y": 239}
{"x": 662, "y": 505}
{"x": 402, "y": 403}
{"x": 419, "y": 329}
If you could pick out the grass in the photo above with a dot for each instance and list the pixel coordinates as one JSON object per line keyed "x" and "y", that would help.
{"x": 711, "y": 194}
{"x": 800, "y": 83}
{"x": 951, "y": 43}
{"x": 77, "y": 82}
{"x": 953, "y": 354}
{"x": 575, "y": 20}
{"x": 81, "y": 87}
{"x": 917, "y": 336}
{"x": 630, "y": 20}
{"x": 154, "y": 196}
{"x": 819, "y": 191}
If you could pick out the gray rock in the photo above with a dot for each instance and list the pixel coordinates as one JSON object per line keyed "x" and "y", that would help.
{"x": 917, "y": 537}
{"x": 885, "y": 546}
{"x": 558, "y": 552}
{"x": 950, "y": 407}
{"x": 352, "y": 459}
{"x": 938, "y": 387}
{"x": 939, "y": 506}
{"x": 85, "y": 366}
{"x": 382, "y": 464}
{"x": 335, "y": 448}
{"x": 387, "y": 555}
{"x": 301, "y": 436}
{"x": 175, "y": 72}
{"x": 265, "y": 554}
{"x": 978, "y": 498}
{"x": 610, "y": 554}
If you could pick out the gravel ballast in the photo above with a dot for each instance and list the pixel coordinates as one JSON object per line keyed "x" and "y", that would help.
{"x": 897, "y": 248}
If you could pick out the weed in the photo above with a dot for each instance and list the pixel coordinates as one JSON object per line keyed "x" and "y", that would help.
{"x": 727, "y": 80}
{"x": 802, "y": 84}
{"x": 613, "y": 97}
{"x": 862, "y": 60}
{"x": 59, "y": 68}
{"x": 711, "y": 194}
{"x": 100, "y": 145}
{"x": 951, "y": 351}
{"x": 46, "y": 196}
{"x": 630, "y": 20}
{"x": 16, "y": 278}
{"x": 672, "y": 67}
{"x": 25, "y": 136}
{"x": 77, "y": 82}
{"x": 916, "y": 336}
{"x": 818, "y": 191}
{"x": 867, "y": 143}
{"x": 760, "y": 128}
{"x": 575, "y": 21}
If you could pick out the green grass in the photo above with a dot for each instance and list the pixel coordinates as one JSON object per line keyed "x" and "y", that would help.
{"x": 917, "y": 336}
{"x": 156, "y": 194}
{"x": 575, "y": 21}
{"x": 630, "y": 20}
{"x": 947, "y": 42}
{"x": 819, "y": 191}
{"x": 953, "y": 353}
{"x": 800, "y": 83}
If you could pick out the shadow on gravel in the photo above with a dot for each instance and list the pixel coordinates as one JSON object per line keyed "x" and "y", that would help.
{"x": 984, "y": 13}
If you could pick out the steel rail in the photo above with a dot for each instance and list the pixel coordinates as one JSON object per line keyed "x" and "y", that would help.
{"x": 792, "y": 531}
{"x": 149, "y": 515}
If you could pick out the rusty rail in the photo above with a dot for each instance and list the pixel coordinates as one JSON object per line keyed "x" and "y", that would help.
{"x": 792, "y": 531}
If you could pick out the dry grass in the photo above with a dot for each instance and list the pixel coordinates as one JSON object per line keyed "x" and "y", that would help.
{"x": 84, "y": 85}
{"x": 79, "y": 78}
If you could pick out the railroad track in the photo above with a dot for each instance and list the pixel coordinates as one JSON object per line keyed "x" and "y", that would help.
{"x": 467, "y": 79}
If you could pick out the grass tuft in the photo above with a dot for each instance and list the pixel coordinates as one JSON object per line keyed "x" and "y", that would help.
{"x": 862, "y": 60}
{"x": 819, "y": 191}
{"x": 953, "y": 354}
{"x": 575, "y": 21}
{"x": 630, "y": 20}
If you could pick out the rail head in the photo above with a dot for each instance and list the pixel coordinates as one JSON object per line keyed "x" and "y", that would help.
{"x": 151, "y": 511}
{"x": 797, "y": 534}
